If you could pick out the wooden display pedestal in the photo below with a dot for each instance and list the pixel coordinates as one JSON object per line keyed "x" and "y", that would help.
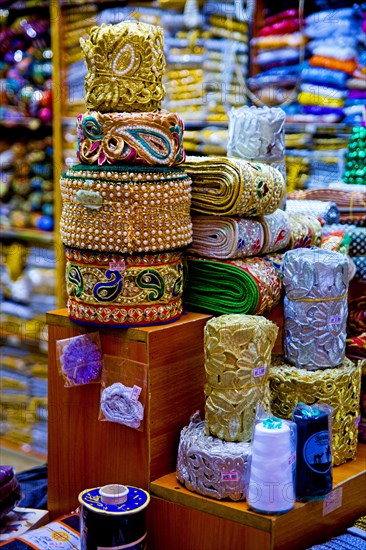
{"x": 184, "y": 520}
{"x": 84, "y": 452}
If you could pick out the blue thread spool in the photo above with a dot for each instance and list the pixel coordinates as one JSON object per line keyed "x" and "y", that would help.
{"x": 113, "y": 516}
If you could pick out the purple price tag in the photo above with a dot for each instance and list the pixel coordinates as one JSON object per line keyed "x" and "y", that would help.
{"x": 335, "y": 320}
{"x": 135, "y": 393}
{"x": 229, "y": 476}
{"x": 117, "y": 266}
{"x": 292, "y": 459}
{"x": 259, "y": 371}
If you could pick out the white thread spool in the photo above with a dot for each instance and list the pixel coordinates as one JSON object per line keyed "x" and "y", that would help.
{"x": 271, "y": 485}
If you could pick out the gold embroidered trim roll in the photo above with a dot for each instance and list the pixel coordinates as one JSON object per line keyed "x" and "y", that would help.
{"x": 126, "y": 64}
{"x": 123, "y": 291}
{"x": 237, "y": 360}
{"x": 127, "y": 210}
{"x": 338, "y": 387}
{"x": 229, "y": 186}
{"x": 306, "y": 231}
{"x": 130, "y": 138}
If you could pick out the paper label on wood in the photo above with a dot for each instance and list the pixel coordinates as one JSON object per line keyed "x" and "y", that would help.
{"x": 333, "y": 501}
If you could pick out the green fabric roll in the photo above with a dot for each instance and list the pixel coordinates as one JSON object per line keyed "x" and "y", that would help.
{"x": 249, "y": 286}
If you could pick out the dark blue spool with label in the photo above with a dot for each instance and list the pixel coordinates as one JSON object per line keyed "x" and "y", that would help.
{"x": 314, "y": 451}
{"x": 113, "y": 517}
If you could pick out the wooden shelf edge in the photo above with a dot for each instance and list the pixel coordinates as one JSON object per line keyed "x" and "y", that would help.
{"x": 60, "y": 318}
{"x": 170, "y": 489}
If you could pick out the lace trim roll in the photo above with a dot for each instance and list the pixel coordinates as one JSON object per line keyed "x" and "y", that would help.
{"x": 130, "y": 138}
{"x": 126, "y": 65}
{"x": 338, "y": 387}
{"x": 117, "y": 406}
{"x": 237, "y": 360}
{"x": 209, "y": 466}
{"x": 315, "y": 307}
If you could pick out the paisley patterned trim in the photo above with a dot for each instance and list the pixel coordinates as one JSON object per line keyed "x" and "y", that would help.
{"x": 130, "y": 138}
{"x": 113, "y": 289}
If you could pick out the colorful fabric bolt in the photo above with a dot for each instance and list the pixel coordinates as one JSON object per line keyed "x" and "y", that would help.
{"x": 280, "y": 27}
{"x": 125, "y": 209}
{"x": 224, "y": 186}
{"x": 306, "y": 98}
{"x": 357, "y": 315}
{"x": 324, "y": 77}
{"x": 130, "y": 138}
{"x": 126, "y": 65}
{"x": 315, "y": 307}
{"x": 355, "y": 166}
{"x": 332, "y": 63}
{"x": 122, "y": 291}
{"x": 357, "y": 237}
{"x": 210, "y": 466}
{"x": 342, "y": 198}
{"x": 338, "y": 388}
{"x": 250, "y": 286}
{"x": 237, "y": 361}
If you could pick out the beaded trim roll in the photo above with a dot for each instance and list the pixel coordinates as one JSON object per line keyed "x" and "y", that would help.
{"x": 237, "y": 360}
{"x": 127, "y": 210}
{"x": 130, "y": 138}
{"x": 339, "y": 387}
{"x": 209, "y": 466}
{"x": 230, "y": 186}
{"x": 111, "y": 289}
{"x": 126, "y": 64}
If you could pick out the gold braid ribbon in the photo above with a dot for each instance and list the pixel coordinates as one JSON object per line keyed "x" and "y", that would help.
{"x": 230, "y": 186}
{"x": 126, "y": 65}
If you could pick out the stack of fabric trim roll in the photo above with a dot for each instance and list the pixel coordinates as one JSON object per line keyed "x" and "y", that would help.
{"x": 126, "y": 207}
{"x": 315, "y": 367}
{"x": 278, "y": 48}
{"x": 234, "y": 264}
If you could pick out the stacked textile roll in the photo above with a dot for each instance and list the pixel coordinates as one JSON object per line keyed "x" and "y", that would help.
{"x": 315, "y": 311}
{"x": 213, "y": 455}
{"x": 279, "y": 49}
{"x": 332, "y": 46}
{"x": 224, "y": 189}
{"x": 126, "y": 207}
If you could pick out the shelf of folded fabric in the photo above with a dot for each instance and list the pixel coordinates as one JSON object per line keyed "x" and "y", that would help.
{"x": 205, "y": 519}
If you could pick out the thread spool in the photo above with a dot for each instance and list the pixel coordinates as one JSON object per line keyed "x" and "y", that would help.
{"x": 314, "y": 451}
{"x": 113, "y": 516}
{"x": 271, "y": 487}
